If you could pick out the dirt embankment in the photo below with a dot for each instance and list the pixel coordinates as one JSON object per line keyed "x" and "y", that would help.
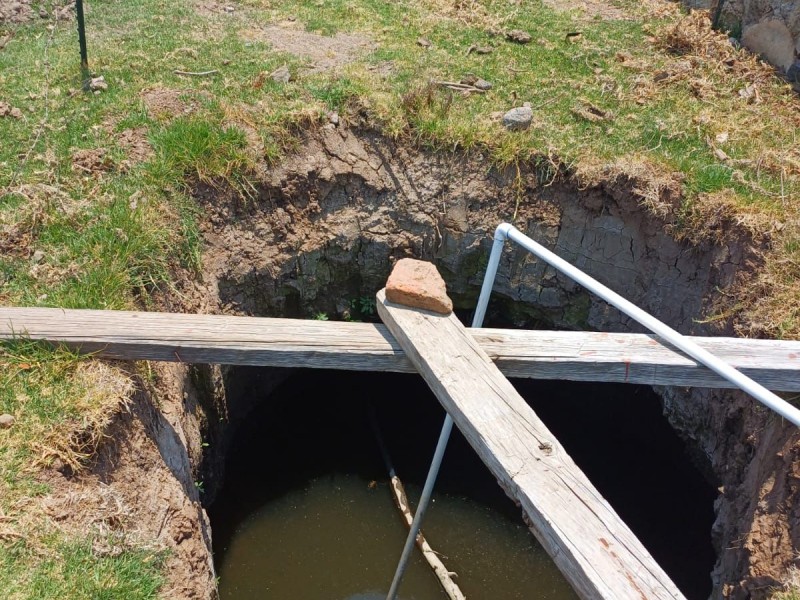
{"x": 324, "y": 228}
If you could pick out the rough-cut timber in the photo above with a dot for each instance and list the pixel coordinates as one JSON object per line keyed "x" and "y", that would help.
{"x": 568, "y": 355}
{"x": 590, "y": 544}
{"x": 417, "y": 283}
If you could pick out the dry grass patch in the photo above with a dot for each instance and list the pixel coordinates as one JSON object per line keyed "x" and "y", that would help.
{"x": 61, "y": 404}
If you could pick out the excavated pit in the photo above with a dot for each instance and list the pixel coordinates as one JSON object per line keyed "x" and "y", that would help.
{"x": 307, "y": 455}
{"x": 316, "y": 237}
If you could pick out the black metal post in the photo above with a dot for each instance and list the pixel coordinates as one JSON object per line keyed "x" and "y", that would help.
{"x": 82, "y": 40}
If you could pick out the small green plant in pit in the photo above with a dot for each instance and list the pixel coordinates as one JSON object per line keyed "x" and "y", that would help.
{"x": 321, "y": 316}
{"x": 362, "y": 308}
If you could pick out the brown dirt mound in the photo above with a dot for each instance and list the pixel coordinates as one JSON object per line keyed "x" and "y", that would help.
{"x": 16, "y": 11}
{"x": 134, "y": 142}
{"x": 22, "y": 11}
{"x": 91, "y": 161}
{"x": 167, "y": 103}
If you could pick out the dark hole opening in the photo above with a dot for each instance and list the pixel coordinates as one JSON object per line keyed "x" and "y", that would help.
{"x": 314, "y": 431}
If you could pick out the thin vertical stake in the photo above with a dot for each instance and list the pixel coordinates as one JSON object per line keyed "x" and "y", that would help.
{"x": 82, "y": 39}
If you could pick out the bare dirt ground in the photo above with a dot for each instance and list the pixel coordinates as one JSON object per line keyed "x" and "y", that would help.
{"x": 22, "y": 11}
{"x": 16, "y": 11}
{"x": 323, "y": 53}
{"x": 167, "y": 103}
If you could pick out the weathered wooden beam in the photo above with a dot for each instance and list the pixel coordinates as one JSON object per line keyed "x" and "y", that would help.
{"x": 592, "y": 546}
{"x": 569, "y": 355}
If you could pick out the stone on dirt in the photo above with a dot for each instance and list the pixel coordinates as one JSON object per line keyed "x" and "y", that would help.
{"x": 6, "y": 421}
{"x": 98, "y": 84}
{"x": 281, "y": 75}
{"x": 519, "y": 36}
{"x": 518, "y": 119}
{"x": 417, "y": 283}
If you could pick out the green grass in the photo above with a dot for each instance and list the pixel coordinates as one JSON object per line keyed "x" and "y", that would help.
{"x": 73, "y": 569}
{"x": 62, "y": 404}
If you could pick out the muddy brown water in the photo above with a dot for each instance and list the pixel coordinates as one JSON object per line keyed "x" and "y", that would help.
{"x": 306, "y": 512}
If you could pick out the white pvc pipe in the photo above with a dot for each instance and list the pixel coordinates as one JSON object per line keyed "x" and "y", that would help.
{"x": 758, "y": 391}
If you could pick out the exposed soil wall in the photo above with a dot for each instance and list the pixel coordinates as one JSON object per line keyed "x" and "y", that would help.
{"x": 323, "y": 229}
{"x": 327, "y": 225}
{"x": 142, "y": 485}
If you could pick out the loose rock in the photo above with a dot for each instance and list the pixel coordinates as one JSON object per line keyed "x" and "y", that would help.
{"x": 519, "y": 36}
{"x": 6, "y": 421}
{"x": 417, "y": 283}
{"x": 424, "y": 42}
{"x": 281, "y": 75}
{"x": 476, "y": 82}
{"x": 772, "y": 40}
{"x": 98, "y": 84}
{"x": 793, "y": 73}
{"x": 518, "y": 119}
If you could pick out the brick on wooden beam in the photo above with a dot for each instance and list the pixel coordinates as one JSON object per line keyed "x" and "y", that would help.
{"x": 418, "y": 284}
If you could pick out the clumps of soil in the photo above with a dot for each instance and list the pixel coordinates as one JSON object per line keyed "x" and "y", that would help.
{"x": 6, "y": 110}
{"x": 136, "y": 146}
{"x": 92, "y": 161}
{"x": 22, "y": 11}
{"x": 16, "y": 11}
{"x": 167, "y": 103}
{"x": 323, "y": 53}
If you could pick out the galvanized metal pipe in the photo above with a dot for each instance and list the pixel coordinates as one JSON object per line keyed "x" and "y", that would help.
{"x": 719, "y": 366}
{"x": 506, "y": 231}
{"x": 424, "y": 501}
{"x": 447, "y": 427}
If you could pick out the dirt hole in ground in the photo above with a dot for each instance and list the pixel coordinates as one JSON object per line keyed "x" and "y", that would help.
{"x": 305, "y": 509}
{"x": 316, "y": 236}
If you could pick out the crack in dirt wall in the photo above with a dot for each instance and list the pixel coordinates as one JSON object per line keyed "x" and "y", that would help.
{"x": 328, "y": 224}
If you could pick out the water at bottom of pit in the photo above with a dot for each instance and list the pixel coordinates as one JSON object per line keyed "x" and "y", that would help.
{"x": 306, "y": 512}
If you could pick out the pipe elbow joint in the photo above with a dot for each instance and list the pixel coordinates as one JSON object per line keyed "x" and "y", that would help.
{"x": 502, "y": 231}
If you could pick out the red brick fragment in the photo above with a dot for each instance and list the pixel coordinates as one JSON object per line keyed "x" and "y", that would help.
{"x": 417, "y": 283}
